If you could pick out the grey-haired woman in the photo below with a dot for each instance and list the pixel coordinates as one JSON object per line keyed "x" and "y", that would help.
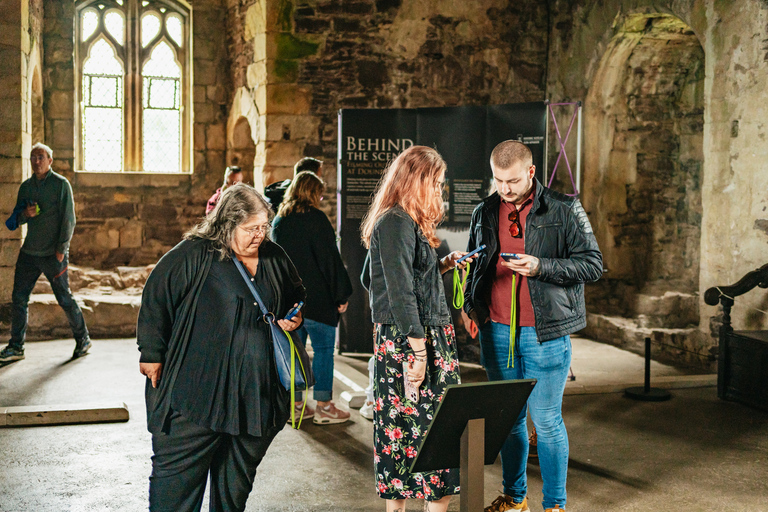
{"x": 214, "y": 401}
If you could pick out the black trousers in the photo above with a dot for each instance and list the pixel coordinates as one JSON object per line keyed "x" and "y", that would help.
{"x": 185, "y": 455}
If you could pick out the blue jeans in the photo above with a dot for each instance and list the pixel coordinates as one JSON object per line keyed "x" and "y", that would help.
{"x": 323, "y": 338}
{"x": 548, "y": 363}
{"x": 28, "y": 269}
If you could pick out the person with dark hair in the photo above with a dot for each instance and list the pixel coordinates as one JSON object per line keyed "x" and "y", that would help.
{"x": 308, "y": 237}
{"x": 414, "y": 340}
{"x": 276, "y": 191}
{"x": 526, "y": 294}
{"x": 232, "y": 175}
{"x": 45, "y": 204}
{"x": 214, "y": 400}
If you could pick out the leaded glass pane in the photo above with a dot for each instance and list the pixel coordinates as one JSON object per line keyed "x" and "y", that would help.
{"x": 162, "y": 62}
{"x": 161, "y": 93}
{"x": 174, "y": 26}
{"x": 102, "y": 61}
{"x": 104, "y": 91}
{"x": 162, "y": 148}
{"x": 89, "y": 23}
{"x": 102, "y": 116}
{"x": 150, "y": 26}
{"x": 115, "y": 25}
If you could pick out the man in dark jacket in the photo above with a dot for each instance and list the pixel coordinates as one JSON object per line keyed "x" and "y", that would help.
{"x": 526, "y": 294}
{"x": 275, "y": 192}
{"x": 46, "y": 206}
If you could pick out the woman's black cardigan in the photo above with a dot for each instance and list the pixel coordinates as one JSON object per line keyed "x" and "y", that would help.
{"x": 168, "y": 306}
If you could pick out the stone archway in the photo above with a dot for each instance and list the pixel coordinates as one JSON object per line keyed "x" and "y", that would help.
{"x": 245, "y": 138}
{"x": 644, "y": 161}
{"x": 241, "y": 149}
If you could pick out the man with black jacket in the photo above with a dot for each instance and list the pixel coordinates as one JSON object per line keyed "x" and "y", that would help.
{"x": 526, "y": 294}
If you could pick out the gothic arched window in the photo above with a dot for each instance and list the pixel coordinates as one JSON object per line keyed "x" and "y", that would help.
{"x": 133, "y": 86}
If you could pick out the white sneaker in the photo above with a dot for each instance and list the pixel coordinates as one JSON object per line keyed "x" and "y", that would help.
{"x": 366, "y": 411}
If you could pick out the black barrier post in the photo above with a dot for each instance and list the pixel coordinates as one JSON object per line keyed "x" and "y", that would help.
{"x": 647, "y": 393}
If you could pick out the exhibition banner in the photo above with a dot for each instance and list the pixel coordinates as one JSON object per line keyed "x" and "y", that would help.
{"x": 465, "y": 136}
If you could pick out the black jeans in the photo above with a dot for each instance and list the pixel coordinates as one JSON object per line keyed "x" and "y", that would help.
{"x": 186, "y": 453}
{"x": 28, "y": 269}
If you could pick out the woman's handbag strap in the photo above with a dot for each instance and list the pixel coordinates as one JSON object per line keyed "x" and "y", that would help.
{"x": 247, "y": 280}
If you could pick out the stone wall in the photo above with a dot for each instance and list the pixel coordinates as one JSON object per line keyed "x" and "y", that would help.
{"x": 732, "y": 138}
{"x": 322, "y": 55}
{"x": 128, "y": 218}
{"x": 20, "y": 89}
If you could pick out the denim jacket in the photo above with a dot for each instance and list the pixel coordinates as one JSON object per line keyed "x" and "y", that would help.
{"x": 402, "y": 275}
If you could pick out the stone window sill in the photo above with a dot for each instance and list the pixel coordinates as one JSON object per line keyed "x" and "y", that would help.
{"x": 130, "y": 179}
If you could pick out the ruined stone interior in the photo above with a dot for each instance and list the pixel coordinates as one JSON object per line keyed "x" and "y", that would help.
{"x": 673, "y": 178}
{"x": 673, "y": 154}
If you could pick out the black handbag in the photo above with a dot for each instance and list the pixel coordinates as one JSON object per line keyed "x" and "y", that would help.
{"x": 291, "y": 359}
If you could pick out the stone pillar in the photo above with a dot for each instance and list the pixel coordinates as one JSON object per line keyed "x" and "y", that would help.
{"x": 15, "y": 126}
{"x": 285, "y": 124}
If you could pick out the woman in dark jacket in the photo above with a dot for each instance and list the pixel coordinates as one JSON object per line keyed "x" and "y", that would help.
{"x": 308, "y": 237}
{"x": 214, "y": 401}
{"x": 415, "y": 345}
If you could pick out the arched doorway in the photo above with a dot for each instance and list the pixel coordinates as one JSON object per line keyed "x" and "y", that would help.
{"x": 643, "y": 164}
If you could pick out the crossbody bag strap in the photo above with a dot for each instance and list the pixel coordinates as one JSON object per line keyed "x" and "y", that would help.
{"x": 247, "y": 280}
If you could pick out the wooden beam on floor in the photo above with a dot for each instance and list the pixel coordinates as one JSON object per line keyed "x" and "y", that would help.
{"x": 39, "y": 415}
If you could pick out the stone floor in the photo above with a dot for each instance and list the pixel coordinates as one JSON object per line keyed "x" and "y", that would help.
{"x": 694, "y": 452}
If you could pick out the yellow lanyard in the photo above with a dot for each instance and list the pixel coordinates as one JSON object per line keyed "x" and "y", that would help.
{"x": 458, "y": 287}
{"x": 512, "y": 324}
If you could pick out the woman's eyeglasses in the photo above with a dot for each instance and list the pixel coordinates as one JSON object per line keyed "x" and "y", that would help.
{"x": 260, "y": 230}
{"x": 515, "y": 229}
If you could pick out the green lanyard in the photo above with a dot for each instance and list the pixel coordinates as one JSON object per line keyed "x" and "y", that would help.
{"x": 458, "y": 287}
{"x": 512, "y": 324}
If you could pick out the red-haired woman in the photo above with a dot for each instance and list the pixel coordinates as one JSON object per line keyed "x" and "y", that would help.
{"x": 414, "y": 338}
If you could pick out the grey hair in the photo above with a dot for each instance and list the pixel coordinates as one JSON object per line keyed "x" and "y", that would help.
{"x": 42, "y": 146}
{"x": 238, "y": 203}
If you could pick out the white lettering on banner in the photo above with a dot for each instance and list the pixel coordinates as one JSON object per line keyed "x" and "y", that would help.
{"x": 389, "y": 147}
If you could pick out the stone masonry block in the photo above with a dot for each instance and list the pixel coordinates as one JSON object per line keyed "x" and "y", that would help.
{"x": 10, "y": 81}
{"x": 205, "y": 72}
{"x": 288, "y": 99}
{"x": 8, "y": 193}
{"x": 11, "y": 109}
{"x": 131, "y": 235}
{"x": 215, "y": 137}
{"x": 63, "y": 134}
{"x": 199, "y": 135}
{"x": 255, "y": 20}
{"x": 11, "y": 170}
{"x": 256, "y": 75}
{"x": 6, "y": 284}
{"x": 9, "y": 251}
{"x": 271, "y": 173}
{"x": 61, "y": 105}
{"x": 296, "y": 127}
{"x": 283, "y": 153}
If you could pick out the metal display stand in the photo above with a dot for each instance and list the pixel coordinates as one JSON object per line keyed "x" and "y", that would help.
{"x": 469, "y": 429}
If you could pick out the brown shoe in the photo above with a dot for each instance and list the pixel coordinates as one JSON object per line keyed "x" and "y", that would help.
{"x": 504, "y": 502}
{"x": 557, "y": 507}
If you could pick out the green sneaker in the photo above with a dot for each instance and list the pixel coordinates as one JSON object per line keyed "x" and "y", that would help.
{"x": 10, "y": 354}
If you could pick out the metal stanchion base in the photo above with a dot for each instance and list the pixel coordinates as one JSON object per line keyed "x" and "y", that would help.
{"x": 652, "y": 395}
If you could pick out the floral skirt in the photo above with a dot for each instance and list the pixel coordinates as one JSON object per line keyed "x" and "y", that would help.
{"x": 398, "y": 423}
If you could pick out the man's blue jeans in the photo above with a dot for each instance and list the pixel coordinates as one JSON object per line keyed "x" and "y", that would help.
{"x": 548, "y": 363}
{"x": 28, "y": 269}
{"x": 323, "y": 338}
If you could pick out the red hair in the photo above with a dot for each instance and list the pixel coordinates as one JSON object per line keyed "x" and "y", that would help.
{"x": 411, "y": 181}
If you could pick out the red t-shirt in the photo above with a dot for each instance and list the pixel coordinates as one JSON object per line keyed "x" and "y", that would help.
{"x": 501, "y": 291}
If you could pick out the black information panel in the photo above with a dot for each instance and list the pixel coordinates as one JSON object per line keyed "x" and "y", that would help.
{"x": 465, "y": 136}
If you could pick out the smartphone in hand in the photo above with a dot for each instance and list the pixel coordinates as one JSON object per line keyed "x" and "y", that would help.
{"x": 294, "y": 311}
{"x": 509, "y": 256}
